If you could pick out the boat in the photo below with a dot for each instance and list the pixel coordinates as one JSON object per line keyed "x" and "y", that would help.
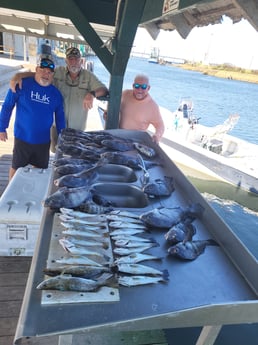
{"x": 154, "y": 55}
{"x": 211, "y": 150}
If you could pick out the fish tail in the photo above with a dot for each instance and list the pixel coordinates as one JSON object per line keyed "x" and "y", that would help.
{"x": 211, "y": 242}
{"x": 165, "y": 276}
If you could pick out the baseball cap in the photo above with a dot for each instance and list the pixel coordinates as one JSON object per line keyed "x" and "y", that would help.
{"x": 72, "y": 51}
{"x": 47, "y": 63}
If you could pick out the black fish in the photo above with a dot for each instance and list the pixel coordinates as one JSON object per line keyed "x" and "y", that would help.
{"x": 67, "y": 197}
{"x": 190, "y": 250}
{"x": 62, "y": 161}
{"x": 77, "y": 180}
{"x": 67, "y": 169}
{"x": 118, "y": 145}
{"x": 147, "y": 151}
{"x": 160, "y": 187}
{"x": 125, "y": 159}
{"x": 181, "y": 232}
{"x": 91, "y": 207}
{"x": 163, "y": 217}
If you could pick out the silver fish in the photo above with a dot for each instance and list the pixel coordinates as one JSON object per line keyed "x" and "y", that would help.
{"x": 118, "y": 218}
{"x": 135, "y": 258}
{"x": 124, "y": 214}
{"x": 78, "y": 214}
{"x": 133, "y": 238}
{"x": 77, "y": 271}
{"x": 85, "y": 227}
{"x": 83, "y": 221}
{"x": 127, "y": 251}
{"x": 102, "y": 243}
{"x": 70, "y": 247}
{"x": 124, "y": 243}
{"x": 141, "y": 269}
{"x": 85, "y": 234}
{"x": 126, "y": 231}
{"x": 79, "y": 260}
{"x": 67, "y": 197}
{"x": 140, "y": 280}
{"x": 68, "y": 283}
{"x": 122, "y": 225}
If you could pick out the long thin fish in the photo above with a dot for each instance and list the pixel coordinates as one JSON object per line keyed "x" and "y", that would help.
{"x": 126, "y": 231}
{"x": 135, "y": 258}
{"x": 139, "y": 269}
{"x": 78, "y": 260}
{"x": 128, "y": 251}
{"x": 68, "y": 283}
{"x": 139, "y": 280}
{"x": 79, "y": 214}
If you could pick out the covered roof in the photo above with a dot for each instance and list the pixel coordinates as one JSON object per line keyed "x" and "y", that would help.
{"x": 109, "y": 26}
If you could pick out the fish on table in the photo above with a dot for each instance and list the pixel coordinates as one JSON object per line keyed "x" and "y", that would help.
{"x": 69, "y": 283}
{"x": 81, "y": 179}
{"x": 190, "y": 250}
{"x": 81, "y": 260}
{"x": 146, "y": 150}
{"x": 85, "y": 271}
{"x": 126, "y": 243}
{"x": 181, "y": 232}
{"x": 71, "y": 168}
{"x": 125, "y": 159}
{"x": 67, "y": 197}
{"x": 68, "y": 212}
{"x": 136, "y": 258}
{"x": 166, "y": 217}
{"x": 127, "y": 251}
{"x": 130, "y": 281}
{"x": 73, "y": 161}
{"x": 139, "y": 269}
{"x": 76, "y": 249}
{"x": 160, "y": 187}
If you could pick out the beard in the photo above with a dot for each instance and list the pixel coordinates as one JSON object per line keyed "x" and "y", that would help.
{"x": 74, "y": 69}
{"x": 44, "y": 82}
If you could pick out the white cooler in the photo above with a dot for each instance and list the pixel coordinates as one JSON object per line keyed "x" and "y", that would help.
{"x": 21, "y": 211}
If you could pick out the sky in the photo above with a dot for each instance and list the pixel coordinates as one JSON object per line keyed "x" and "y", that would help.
{"x": 236, "y": 44}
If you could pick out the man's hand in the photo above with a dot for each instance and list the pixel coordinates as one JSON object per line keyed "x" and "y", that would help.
{"x": 88, "y": 101}
{"x": 3, "y": 136}
{"x": 17, "y": 79}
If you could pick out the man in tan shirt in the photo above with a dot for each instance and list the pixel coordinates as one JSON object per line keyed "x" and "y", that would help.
{"x": 138, "y": 110}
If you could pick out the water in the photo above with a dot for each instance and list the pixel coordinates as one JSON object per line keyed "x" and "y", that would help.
{"x": 214, "y": 100}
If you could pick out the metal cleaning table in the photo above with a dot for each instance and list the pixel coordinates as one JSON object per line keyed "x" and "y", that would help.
{"x": 218, "y": 288}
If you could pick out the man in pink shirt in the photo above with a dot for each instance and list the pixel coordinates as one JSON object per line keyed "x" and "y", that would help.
{"x": 138, "y": 110}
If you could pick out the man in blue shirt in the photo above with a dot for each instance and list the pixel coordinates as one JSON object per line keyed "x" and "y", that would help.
{"x": 38, "y": 105}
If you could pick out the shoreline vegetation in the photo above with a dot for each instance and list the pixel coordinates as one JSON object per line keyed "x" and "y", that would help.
{"x": 225, "y": 71}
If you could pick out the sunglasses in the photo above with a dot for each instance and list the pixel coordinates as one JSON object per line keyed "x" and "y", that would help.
{"x": 47, "y": 64}
{"x": 142, "y": 86}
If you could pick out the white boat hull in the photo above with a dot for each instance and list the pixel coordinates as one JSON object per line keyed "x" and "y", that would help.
{"x": 228, "y": 159}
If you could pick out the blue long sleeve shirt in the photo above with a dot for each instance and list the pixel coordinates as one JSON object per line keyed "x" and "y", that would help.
{"x": 37, "y": 107}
